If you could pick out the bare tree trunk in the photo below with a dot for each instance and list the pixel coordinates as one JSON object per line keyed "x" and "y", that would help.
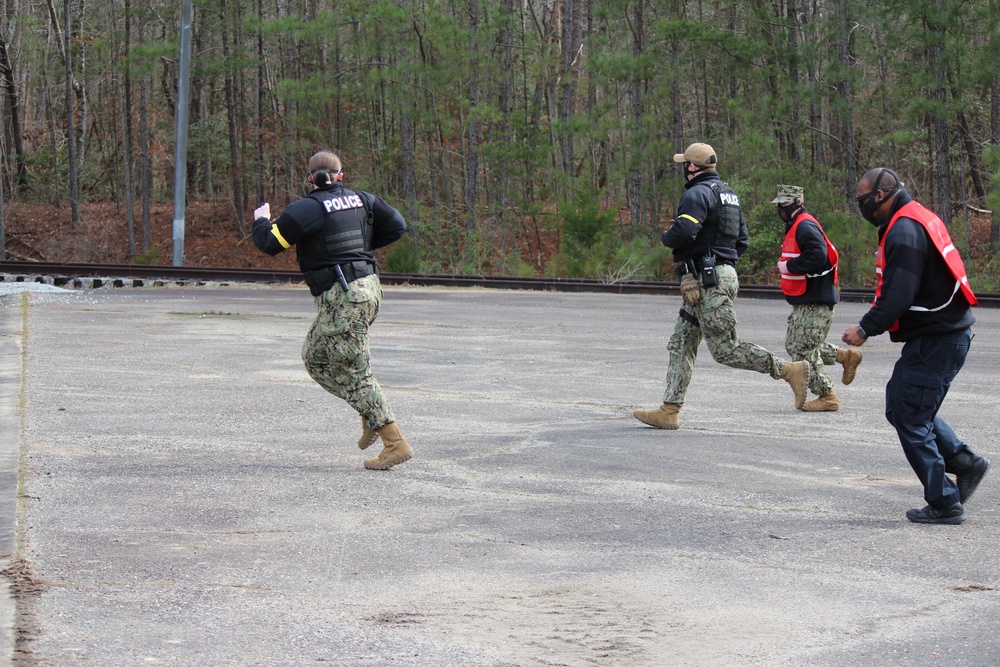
{"x": 972, "y": 156}
{"x": 231, "y": 115}
{"x": 634, "y": 185}
{"x": 258, "y": 113}
{"x": 994, "y": 140}
{"x": 83, "y": 124}
{"x": 13, "y": 127}
{"x": 407, "y": 139}
{"x": 70, "y": 122}
{"x": 995, "y": 110}
{"x": 505, "y": 101}
{"x": 145, "y": 166}
{"x": 574, "y": 19}
{"x": 817, "y": 147}
{"x": 124, "y": 91}
{"x": 792, "y": 14}
{"x": 239, "y": 94}
{"x": 847, "y": 92}
{"x": 3, "y": 250}
{"x": 473, "y": 136}
{"x": 942, "y": 170}
{"x": 288, "y": 51}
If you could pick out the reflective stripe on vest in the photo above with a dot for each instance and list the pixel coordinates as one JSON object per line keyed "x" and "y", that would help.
{"x": 794, "y": 284}
{"x": 941, "y": 240}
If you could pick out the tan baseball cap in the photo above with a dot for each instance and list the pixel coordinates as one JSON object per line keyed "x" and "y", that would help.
{"x": 787, "y": 194}
{"x": 702, "y": 155}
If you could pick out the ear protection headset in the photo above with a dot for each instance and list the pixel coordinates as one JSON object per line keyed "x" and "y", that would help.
{"x": 711, "y": 165}
{"x": 864, "y": 199}
{"x": 324, "y": 177}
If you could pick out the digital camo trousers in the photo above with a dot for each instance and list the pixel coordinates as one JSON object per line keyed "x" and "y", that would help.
{"x": 716, "y": 321}
{"x": 805, "y": 339}
{"x": 336, "y": 351}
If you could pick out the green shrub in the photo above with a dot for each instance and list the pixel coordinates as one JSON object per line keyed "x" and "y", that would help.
{"x": 402, "y": 256}
{"x": 583, "y": 221}
{"x": 151, "y": 256}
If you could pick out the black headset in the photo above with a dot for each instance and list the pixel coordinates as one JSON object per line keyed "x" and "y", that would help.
{"x": 324, "y": 177}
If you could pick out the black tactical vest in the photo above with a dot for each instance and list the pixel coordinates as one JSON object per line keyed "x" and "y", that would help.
{"x": 721, "y": 229}
{"x": 346, "y": 232}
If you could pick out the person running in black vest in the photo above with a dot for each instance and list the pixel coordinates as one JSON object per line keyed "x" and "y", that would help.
{"x": 708, "y": 236}
{"x": 334, "y": 231}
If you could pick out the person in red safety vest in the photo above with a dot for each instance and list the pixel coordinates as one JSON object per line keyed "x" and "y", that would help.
{"x": 808, "y": 267}
{"x": 923, "y": 299}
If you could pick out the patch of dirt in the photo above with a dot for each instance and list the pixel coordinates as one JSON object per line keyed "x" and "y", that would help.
{"x": 24, "y": 588}
{"x": 43, "y": 232}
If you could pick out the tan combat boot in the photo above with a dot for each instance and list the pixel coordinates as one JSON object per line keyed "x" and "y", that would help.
{"x": 850, "y": 358}
{"x": 796, "y": 373}
{"x": 664, "y": 416}
{"x": 396, "y": 450}
{"x": 825, "y": 403}
{"x": 368, "y": 436}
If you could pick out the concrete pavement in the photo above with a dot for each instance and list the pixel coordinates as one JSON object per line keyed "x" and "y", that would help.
{"x": 191, "y": 497}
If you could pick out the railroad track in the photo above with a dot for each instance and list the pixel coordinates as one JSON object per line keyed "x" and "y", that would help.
{"x": 138, "y": 275}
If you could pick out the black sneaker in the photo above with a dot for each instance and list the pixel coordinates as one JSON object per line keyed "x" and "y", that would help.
{"x": 950, "y": 515}
{"x": 970, "y": 478}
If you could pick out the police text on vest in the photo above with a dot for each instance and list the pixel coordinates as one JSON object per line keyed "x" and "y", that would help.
{"x": 343, "y": 203}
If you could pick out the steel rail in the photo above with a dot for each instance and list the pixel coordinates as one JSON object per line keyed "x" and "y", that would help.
{"x": 141, "y": 274}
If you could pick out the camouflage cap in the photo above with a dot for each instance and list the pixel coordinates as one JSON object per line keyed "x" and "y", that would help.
{"x": 702, "y": 155}
{"x": 787, "y": 194}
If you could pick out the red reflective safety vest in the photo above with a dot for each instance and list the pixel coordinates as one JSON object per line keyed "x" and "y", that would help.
{"x": 794, "y": 284}
{"x": 939, "y": 236}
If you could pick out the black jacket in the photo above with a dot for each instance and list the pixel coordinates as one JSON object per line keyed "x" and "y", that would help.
{"x": 303, "y": 220}
{"x": 812, "y": 260}
{"x": 702, "y": 203}
{"x": 914, "y": 274}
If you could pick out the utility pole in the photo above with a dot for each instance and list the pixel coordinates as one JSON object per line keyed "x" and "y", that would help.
{"x": 180, "y": 156}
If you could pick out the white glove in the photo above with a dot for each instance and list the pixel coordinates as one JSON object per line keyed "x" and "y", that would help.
{"x": 263, "y": 211}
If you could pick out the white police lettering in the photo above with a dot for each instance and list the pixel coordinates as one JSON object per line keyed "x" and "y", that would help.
{"x": 343, "y": 203}
{"x": 730, "y": 198}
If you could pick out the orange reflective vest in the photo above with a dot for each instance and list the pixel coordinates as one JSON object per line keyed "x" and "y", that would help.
{"x": 794, "y": 284}
{"x": 939, "y": 236}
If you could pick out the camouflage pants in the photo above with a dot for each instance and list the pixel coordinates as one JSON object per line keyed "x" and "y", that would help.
{"x": 336, "y": 351}
{"x": 716, "y": 321}
{"x": 805, "y": 339}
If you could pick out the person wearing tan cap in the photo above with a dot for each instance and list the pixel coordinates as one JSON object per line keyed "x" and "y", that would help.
{"x": 708, "y": 236}
{"x": 808, "y": 266}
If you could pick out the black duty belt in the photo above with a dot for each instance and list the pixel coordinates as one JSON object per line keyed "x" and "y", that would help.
{"x": 695, "y": 263}
{"x": 356, "y": 270}
{"x": 323, "y": 279}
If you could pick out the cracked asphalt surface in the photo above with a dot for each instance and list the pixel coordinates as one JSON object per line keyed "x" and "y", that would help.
{"x": 190, "y": 497}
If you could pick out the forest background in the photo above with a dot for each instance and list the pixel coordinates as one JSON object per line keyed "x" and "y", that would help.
{"x": 517, "y": 138}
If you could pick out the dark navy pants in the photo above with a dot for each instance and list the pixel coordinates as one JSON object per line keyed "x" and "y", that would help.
{"x": 920, "y": 381}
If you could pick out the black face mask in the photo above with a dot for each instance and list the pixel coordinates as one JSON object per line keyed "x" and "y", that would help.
{"x": 689, "y": 175}
{"x": 867, "y": 203}
{"x": 786, "y": 211}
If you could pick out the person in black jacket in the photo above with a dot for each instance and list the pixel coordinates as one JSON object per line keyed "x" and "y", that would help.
{"x": 334, "y": 231}
{"x": 923, "y": 299}
{"x": 708, "y": 236}
{"x": 808, "y": 267}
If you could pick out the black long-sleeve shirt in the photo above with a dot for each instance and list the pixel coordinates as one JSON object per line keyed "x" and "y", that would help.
{"x": 812, "y": 260}
{"x": 304, "y": 217}
{"x": 696, "y": 205}
{"x": 915, "y": 274}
